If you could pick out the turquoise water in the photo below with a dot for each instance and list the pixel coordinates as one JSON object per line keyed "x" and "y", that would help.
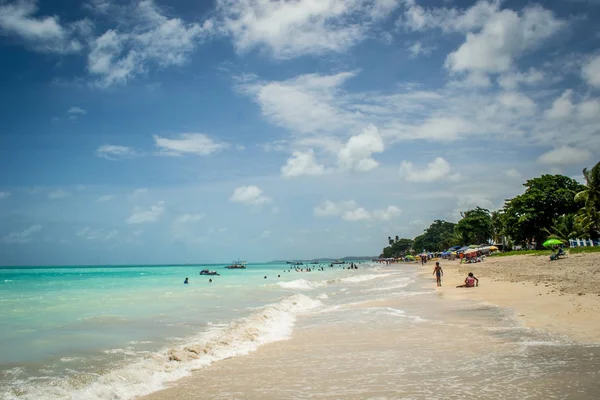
{"x": 72, "y": 326}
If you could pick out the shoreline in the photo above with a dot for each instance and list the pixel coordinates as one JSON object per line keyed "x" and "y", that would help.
{"x": 559, "y": 297}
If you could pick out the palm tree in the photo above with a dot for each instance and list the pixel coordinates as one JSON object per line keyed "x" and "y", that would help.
{"x": 564, "y": 228}
{"x": 390, "y": 240}
{"x": 589, "y": 216}
{"x": 497, "y": 227}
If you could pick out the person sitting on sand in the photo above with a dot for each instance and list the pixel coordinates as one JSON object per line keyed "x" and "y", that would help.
{"x": 438, "y": 273}
{"x": 470, "y": 281}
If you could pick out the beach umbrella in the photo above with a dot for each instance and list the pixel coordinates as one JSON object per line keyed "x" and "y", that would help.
{"x": 473, "y": 246}
{"x": 552, "y": 242}
{"x": 471, "y": 251}
{"x": 453, "y": 253}
{"x": 493, "y": 248}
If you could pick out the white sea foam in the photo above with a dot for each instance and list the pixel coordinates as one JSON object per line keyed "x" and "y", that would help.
{"x": 271, "y": 323}
{"x": 363, "y": 278}
{"x": 300, "y": 284}
{"x": 322, "y": 296}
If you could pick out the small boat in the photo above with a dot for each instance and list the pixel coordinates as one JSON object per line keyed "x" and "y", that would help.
{"x": 237, "y": 265}
{"x": 294, "y": 262}
{"x": 207, "y": 272}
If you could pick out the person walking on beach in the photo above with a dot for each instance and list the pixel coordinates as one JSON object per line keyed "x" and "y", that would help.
{"x": 438, "y": 273}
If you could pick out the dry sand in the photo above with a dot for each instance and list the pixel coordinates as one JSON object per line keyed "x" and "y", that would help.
{"x": 559, "y": 296}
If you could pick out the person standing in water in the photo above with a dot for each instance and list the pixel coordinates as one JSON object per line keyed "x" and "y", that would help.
{"x": 186, "y": 281}
{"x": 438, "y": 273}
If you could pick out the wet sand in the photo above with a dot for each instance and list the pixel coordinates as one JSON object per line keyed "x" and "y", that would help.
{"x": 560, "y": 296}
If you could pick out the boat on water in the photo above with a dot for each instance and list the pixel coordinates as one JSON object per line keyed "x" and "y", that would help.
{"x": 294, "y": 262}
{"x": 207, "y": 272}
{"x": 237, "y": 265}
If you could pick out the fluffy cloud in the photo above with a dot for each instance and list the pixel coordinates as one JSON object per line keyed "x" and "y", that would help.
{"x": 302, "y": 163}
{"x": 23, "y": 236}
{"x": 417, "y": 48}
{"x": 504, "y": 37}
{"x": 249, "y": 195}
{"x": 112, "y": 152}
{"x": 188, "y": 143}
{"x": 305, "y": 104}
{"x": 356, "y": 154}
{"x": 117, "y": 57}
{"x": 76, "y": 111}
{"x": 436, "y": 170}
{"x": 57, "y": 194}
{"x": 142, "y": 215}
{"x": 512, "y": 80}
{"x": 350, "y": 211}
{"x": 562, "y": 107}
{"x": 292, "y": 28}
{"x": 591, "y": 72}
{"x": 564, "y": 156}
{"x": 43, "y": 34}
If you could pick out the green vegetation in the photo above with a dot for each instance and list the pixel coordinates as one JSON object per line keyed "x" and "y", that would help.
{"x": 551, "y": 207}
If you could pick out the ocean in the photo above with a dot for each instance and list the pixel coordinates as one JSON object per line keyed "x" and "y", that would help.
{"x": 124, "y": 332}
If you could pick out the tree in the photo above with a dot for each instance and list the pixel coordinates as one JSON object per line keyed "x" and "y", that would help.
{"x": 439, "y": 236}
{"x": 589, "y": 215}
{"x": 497, "y": 226}
{"x": 565, "y": 227}
{"x": 475, "y": 226}
{"x": 397, "y": 248}
{"x": 545, "y": 198}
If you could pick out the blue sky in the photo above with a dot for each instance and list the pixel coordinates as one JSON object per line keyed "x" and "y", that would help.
{"x": 166, "y": 132}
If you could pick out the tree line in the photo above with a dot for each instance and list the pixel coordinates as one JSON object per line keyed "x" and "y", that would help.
{"x": 552, "y": 207}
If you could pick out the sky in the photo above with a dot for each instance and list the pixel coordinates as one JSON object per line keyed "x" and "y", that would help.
{"x": 155, "y": 131}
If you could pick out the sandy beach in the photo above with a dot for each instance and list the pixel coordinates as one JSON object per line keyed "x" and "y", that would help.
{"x": 408, "y": 346}
{"x": 560, "y": 296}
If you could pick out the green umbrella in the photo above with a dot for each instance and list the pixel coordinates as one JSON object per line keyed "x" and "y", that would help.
{"x": 552, "y": 242}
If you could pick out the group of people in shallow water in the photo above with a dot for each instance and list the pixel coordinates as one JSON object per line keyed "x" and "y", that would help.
{"x": 297, "y": 269}
{"x": 470, "y": 280}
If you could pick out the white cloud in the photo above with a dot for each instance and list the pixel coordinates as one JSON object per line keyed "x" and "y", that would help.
{"x": 265, "y": 234}
{"x": 190, "y": 218}
{"x": 350, "y": 211}
{"x": 76, "y": 111}
{"x": 564, "y": 155}
{"x": 511, "y": 80}
{"x": 358, "y": 214}
{"x": 112, "y": 152}
{"x": 517, "y": 101}
{"x": 57, "y": 194}
{"x": 43, "y": 34}
{"x": 188, "y": 143}
{"x": 105, "y": 198}
{"x": 562, "y": 107}
{"x": 435, "y": 170}
{"x": 417, "y": 49}
{"x": 249, "y": 195}
{"x": 292, "y": 28}
{"x": 302, "y": 163}
{"x": 589, "y": 109}
{"x": 356, "y": 154}
{"x": 142, "y": 215}
{"x": 505, "y": 36}
{"x": 80, "y": 188}
{"x": 328, "y": 208}
{"x": 304, "y": 104}
{"x": 88, "y": 233}
{"x": 23, "y": 236}
{"x": 591, "y": 71}
{"x": 513, "y": 173}
{"x": 4, "y": 195}
{"x": 152, "y": 38}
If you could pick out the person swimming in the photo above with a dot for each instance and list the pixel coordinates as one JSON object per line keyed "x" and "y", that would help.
{"x": 186, "y": 281}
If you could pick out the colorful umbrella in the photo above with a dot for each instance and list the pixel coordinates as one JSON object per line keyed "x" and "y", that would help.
{"x": 552, "y": 242}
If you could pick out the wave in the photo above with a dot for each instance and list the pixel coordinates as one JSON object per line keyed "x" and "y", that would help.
{"x": 303, "y": 284}
{"x": 273, "y": 322}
